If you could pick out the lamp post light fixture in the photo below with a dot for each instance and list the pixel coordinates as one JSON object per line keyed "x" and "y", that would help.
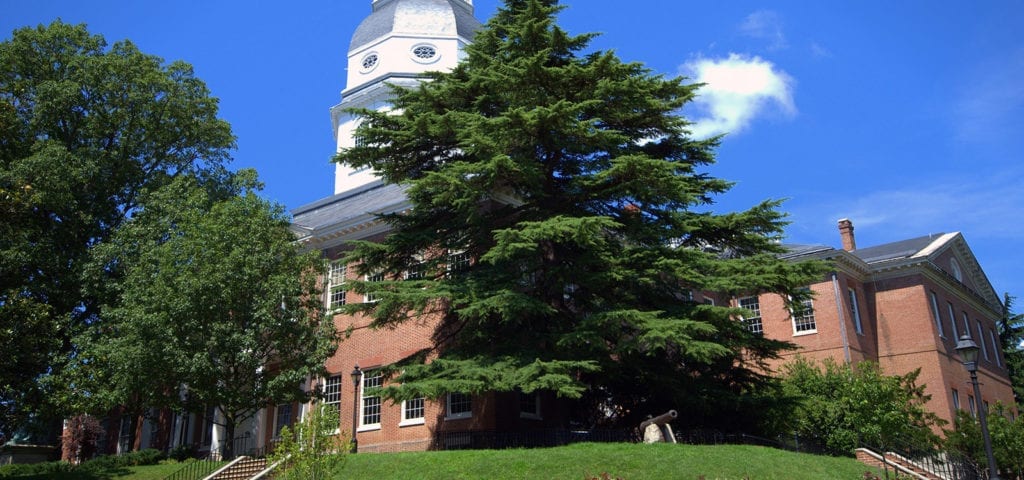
{"x": 357, "y": 376}
{"x": 968, "y": 351}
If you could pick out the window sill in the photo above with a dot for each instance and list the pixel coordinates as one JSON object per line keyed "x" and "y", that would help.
{"x": 530, "y": 416}
{"x": 808, "y": 332}
{"x": 411, "y": 422}
{"x": 368, "y": 428}
{"x": 459, "y": 416}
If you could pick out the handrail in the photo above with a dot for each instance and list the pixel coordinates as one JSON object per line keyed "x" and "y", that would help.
{"x": 944, "y": 464}
{"x": 225, "y": 467}
{"x": 270, "y": 468}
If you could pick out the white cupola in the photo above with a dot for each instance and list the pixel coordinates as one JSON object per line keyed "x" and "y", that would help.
{"x": 398, "y": 42}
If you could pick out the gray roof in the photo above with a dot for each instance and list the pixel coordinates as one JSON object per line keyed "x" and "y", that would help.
{"x": 895, "y": 250}
{"x": 443, "y": 17}
{"x": 373, "y": 198}
{"x": 794, "y": 250}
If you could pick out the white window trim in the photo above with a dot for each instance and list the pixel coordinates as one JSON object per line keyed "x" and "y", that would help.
{"x": 448, "y": 415}
{"x": 995, "y": 347}
{"x": 408, "y": 422}
{"x": 366, "y": 427}
{"x": 428, "y": 60}
{"x": 936, "y": 315}
{"x": 858, "y": 325}
{"x": 753, "y": 315}
{"x": 952, "y": 322}
{"x": 277, "y": 418}
{"x": 981, "y": 340}
{"x": 805, "y": 332}
{"x": 336, "y": 404}
{"x": 366, "y": 297}
{"x": 332, "y": 286}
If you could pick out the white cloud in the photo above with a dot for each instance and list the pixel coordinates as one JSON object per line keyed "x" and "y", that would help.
{"x": 738, "y": 89}
{"x": 765, "y": 25}
{"x": 991, "y": 208}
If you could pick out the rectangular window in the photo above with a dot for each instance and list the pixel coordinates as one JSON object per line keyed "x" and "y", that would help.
{"x": 981, "y": 340}
{"x": 967, "y": 325}
{"x": 803, "y": 321}
{"x": 458, "y": 261}
{"x": 283, "y": 418}
{"x": 124, "y": 434}
{"x": 332, "y": 392}
{"x": 413, "y": 412}
{"x": 971, "y": 405}
{"x": 369, "y": 415}
{"x": 855, "y": 309}
{"x": 459, "y": 405}
{"x": 374, "y": 277}
{"x": 935, "y": 313}
{"x": 529, "y": 405}
{"x": 336, "y": 285}
{"x": 753, "y": 318}
{"x": 995, "y": 347}
{"x": 956, "y": 399}
{"x": 417, "y": 269}
{"x": 952, "y": 321}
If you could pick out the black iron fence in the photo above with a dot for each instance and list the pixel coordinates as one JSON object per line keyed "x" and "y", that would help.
{"x": 948, "y": 465}
{"x": 490, "y": 439}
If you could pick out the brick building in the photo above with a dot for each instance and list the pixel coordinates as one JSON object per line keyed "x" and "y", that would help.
{"x": 902, "y": 304}
{"x": 395, "y": 44}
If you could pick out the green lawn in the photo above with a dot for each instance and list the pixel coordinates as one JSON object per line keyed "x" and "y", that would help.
{"x": 583, "y": 461}
{"x": 586, "y": 461}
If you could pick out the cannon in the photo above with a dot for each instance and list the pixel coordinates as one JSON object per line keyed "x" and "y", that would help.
{"x": 657, "y": 429}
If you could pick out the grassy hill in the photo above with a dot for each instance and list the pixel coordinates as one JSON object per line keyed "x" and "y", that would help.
{"x": 587, "y": 461}
{"x": 574, "y": 462}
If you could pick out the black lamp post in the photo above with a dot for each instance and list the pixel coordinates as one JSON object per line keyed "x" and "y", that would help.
{"x": 968, "y": 351}
{"x": 357, "y": 376}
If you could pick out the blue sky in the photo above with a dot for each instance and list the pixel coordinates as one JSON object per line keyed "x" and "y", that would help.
{"x": 906, "y": 117}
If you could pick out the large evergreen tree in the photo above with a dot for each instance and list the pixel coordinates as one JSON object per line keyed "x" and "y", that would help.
{"x": 85, "y": 128}
{"x": 570, "y": 182}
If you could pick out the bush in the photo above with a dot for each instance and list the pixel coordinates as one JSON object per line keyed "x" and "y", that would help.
{"x": 843, "y": 405}
{"x": 182, "y": 452}
{"x": 41, "y": 469}
{"x": 148, "y": 456}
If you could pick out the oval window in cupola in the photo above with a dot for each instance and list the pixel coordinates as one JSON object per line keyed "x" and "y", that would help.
{"x": 369, "y": 62}
{"x": 424, "y": 53}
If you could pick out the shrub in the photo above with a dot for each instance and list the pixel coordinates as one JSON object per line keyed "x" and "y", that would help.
{"x": 40, "y": 469}
{"x": 842, "y": 405}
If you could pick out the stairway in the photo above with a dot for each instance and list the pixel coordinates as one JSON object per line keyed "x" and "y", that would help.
{"x": 243, "y": 469}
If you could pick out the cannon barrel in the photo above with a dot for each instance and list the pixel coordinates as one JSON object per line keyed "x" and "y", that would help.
{"x": 660, "y": 419}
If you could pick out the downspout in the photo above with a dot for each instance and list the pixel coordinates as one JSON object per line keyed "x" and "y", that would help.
{"x": 842, "y": 318}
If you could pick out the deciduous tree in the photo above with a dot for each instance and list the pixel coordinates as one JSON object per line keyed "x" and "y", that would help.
{"x": 570, "y": 182}
{"x": 85, "y": 128}
{"x": 212, "y": 295}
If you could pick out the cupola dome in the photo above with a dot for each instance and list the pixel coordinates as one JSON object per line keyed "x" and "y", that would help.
{"x": 416, "y": 18}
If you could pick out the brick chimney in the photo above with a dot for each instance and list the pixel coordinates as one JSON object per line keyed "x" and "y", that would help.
{"x": 846, "y": 233}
